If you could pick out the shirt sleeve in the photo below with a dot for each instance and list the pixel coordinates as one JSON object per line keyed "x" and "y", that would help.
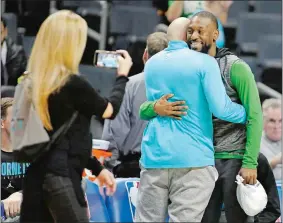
{"x": 147, "y": 110}
{"x": 114, "y": 133}
{"x": 243, "y": 80}
{"x": 170, "y": 2}
{"x": 94, "y": 165}
{"x": 85, "y": 98}
{"x": 219, "y": 102}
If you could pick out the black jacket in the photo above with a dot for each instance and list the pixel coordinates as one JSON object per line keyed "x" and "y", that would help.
{"x": 16, "y": 62}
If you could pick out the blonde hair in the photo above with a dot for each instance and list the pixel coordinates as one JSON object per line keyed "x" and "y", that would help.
{"x": 56, "y": 54}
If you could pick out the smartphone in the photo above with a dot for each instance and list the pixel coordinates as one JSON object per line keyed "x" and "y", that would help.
{"x": 108, "y": 59}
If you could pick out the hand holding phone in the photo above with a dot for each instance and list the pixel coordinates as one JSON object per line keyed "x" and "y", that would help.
{"x": 119, "y": 59}
{"x": 124, "y": 63}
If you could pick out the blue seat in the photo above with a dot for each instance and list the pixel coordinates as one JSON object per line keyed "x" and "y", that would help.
{"x": 236, "y": 8}
{"x": 143, "y": 3}
{"x": 12, "y": 25}
{"x": 268, "y": 7}
{"x": 96, "y": 202}
{"x": 121, "y": 206}
{"x": 252, "y": 25}
{"x": 270, "y": 54}
{"x": 133, "y": 20}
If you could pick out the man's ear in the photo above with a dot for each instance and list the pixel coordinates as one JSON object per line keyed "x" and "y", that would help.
{"x": 145, "y": 56}
{"x": 215, "y": 35}
{"x": 2, "y": 124}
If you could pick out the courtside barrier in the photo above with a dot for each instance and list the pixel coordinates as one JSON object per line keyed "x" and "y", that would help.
{"x": 96, "y": 203}
{"x": 122, "y": 205}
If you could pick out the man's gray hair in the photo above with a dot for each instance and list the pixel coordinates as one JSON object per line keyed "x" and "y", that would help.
{"x": 156, "y": 42}
{"x": 271, "y": 103}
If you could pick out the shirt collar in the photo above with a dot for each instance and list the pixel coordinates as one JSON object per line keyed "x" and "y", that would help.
{"x": 177, "y": 44}
{"x": 270, "y": 141}
{"x": 4, "y": 50}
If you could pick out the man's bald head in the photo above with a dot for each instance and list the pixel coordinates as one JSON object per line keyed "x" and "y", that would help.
{"x": 177, "y": 30}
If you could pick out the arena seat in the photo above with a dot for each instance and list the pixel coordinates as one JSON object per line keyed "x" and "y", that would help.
{"x": 12, "y": 25}
{"x": 133, "y": 20}
{"x": 268, "y": 7}
{"x": 101, "y": 79}
{"x": 251, "y": 26}
{"x": 121, "y": 206}
{"x": 270, "y": 61}
{"x": 7, "y": 91}
{"x": 96, "y": 202}
{"x": 270, "y": 54}
{"x": 234, "y": 11}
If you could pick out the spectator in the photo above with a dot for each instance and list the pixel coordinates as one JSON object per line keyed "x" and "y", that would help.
{"x": 12, "y": 173}
{"x": 13, "y": 58}
{"x": 219, "y": 9}
{"x": 125, "y": 142}
{"x": 52, "y": 186}
{"x": 178, "y": 9}
{"x": 271, "y": 138}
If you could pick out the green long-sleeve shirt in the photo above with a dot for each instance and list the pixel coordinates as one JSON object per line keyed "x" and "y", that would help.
{"x": 242, "y": 79}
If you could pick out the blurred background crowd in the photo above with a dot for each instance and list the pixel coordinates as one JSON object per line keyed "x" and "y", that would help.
{"x": 250, "y": 29}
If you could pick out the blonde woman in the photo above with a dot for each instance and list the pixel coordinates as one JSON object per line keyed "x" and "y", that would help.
{"x": 52, "y": 187}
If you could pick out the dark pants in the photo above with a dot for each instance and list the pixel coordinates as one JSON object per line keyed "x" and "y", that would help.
{"x": 265, "y": 176}
{"x": 129, "y": 166}
{"x": 225, "y": 191}
{"x": 58, "y": 203}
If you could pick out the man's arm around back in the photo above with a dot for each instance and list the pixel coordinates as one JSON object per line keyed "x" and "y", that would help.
{"x": 219, "y": 102}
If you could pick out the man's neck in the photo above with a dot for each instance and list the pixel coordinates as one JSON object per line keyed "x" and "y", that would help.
{"x": 212, "y": 51}
{"x": 5, "y": 143}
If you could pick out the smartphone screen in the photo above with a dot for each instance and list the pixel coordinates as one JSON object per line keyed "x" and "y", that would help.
{"x": 107, "y": 59}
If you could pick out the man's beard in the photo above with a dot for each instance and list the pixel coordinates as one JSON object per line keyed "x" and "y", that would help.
{"x": 204, "y": 49}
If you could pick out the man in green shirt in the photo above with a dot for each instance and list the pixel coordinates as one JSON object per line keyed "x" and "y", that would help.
{"x": 236, "y": 146}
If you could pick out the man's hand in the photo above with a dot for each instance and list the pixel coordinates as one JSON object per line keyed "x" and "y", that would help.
{"x": 249, "y": 175}
{"x": 12, "y": 204}
{"x": 276, "y": 160}
{"x": 107, "y": 179}
{"x": 171, "y": 109}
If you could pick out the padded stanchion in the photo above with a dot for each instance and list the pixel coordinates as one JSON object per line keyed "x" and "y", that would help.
{"x": 121, "y": 206}
{"x": 96, "y": 203}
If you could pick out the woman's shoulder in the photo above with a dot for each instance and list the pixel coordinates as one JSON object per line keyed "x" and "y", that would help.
{"x": 77, "y": 80}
